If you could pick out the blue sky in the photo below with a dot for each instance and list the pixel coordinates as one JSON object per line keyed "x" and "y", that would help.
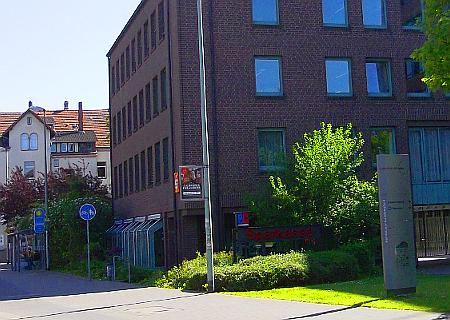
{"x": 54, "y": 50}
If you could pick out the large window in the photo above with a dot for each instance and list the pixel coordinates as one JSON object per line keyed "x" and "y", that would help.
{"x": 131, "y": 174}
{"x": 374, "y": 13}
{"x": 133, "y": 55}
{"x": 143, "y": 171}
{"x": 120, "y": 181}
{"x": 135, "y": 114}
{"x": 148, "y": 103}
{"x": 166, "y": 168}
{"x": 334, "y": 13}
{"x": 268, "y": 76}
{"x": 125, "y": 178}
{"x": 29, "y": 169}
{"x": 158, "y": 163}
{"x": 129, "y": 118}
{"x": 124, "y": 123}
{"x": 119, "y": 127}
{"x": 382, "y": 141}
{"x": 117, "y": 76}
{"x": 339, "y": 80}
{"x": 101, "y": 170}
{"x": 271, "y": 149}
{"x": 141, "y": 108}
{"x": 128, "y": 60}
{"x": 163, "y": 79}
{"x": 153, "y": 29}
{"x": 113, "y": 80}
{"x": 137, "y": 174}
{"x": 155, "y": 96}
{"x": 161, "y": 21}
{"x": 116, "y": 183}
{"x": 150, "y": 167}
{"x": 122, "y": 68}
{"x": 139, "y": 47}
{"x": 146, "y": 40}
{"x": 378, "y": 73}
{"x": 114, "y": 131}
{"x": 414, "y": 74}
{"x": 24, "y": 142}
{"x": 33, "y": 141}
{"x": 265, "y": 12}
{"x": 411, "y": 14}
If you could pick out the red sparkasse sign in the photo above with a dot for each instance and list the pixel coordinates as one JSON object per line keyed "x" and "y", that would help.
{"x": 191, "y": 183}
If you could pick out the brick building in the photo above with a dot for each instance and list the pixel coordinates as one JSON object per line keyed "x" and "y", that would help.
{"x": 275, "y": 69}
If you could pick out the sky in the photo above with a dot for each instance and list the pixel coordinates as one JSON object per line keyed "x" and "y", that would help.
{"x": 55, "y": 50}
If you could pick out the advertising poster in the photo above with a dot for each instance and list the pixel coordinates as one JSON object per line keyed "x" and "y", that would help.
{"x": 191, "y": 183}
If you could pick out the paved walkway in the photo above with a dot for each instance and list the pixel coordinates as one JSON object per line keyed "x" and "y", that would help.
{"x": 72, "y": 298}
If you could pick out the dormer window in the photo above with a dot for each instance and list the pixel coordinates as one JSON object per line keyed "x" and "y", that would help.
{"x": 29, "y": 121}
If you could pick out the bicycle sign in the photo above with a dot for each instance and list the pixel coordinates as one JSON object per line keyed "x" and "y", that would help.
{"x": 87, "y": 212}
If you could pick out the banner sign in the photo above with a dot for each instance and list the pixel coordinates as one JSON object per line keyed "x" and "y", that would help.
{"x": 191, "y": 183}
{"x": 397, "y": 223}
{"x": 242, "y": 219}
{"x": 176, "y": 182}
{"x": 39, "y": 220}
{"x": 310, "y": 234}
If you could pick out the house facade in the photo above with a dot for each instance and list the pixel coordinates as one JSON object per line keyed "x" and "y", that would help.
{"x": 275, "y": 70}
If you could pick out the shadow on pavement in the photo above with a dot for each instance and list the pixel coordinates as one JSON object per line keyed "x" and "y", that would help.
{"x": 37, "y": 284}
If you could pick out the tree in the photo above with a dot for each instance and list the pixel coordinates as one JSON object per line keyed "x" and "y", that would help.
{"x": 320, "y": 186}
{"x": 435, "y": 52}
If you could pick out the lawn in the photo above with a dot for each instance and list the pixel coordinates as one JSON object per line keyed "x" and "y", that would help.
{"x": 433, "y": 294}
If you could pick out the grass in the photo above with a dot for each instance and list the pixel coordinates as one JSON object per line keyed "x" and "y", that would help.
{"x": 433, "y": 294}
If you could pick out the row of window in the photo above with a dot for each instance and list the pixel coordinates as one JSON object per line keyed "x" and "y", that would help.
{"x": 335, "y": 13}
{"x": 147, "y": 104}
{"x": 268, "y": 77}
{"x": 272, "y": 146}
{"x": 139, "y": 49}
{"x": 72, "y": 147}
{"x": 142, "y": 171}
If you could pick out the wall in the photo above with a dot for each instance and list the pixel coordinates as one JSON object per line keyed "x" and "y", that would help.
{"x": 3, "y": 165}
{"x": 103, "y": 155}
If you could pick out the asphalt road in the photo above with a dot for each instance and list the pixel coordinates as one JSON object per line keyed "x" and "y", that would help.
{"x": 45, "y": 295}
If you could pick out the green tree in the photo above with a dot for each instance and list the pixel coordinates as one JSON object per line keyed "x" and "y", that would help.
{"x": 320, "y": 186}
{"x": 435, "y": 52}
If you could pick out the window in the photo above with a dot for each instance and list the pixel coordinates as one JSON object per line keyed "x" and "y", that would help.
{"x": 141, "y": 108}
{"x": 143, "y": 171}
{"x": 133, "y": 55}
{"x": 265, "y": 12}
{"x": 28, "y": 169}
{"x": 158, "y": 163}
{"x": 125, "y": 178}
{"x": 161, "y": 23}
{"x": 135, "y": 114}
{"x": 64, "y": 147}
{"x": 139, "y": 47}
{"x": 101, "y": 170}
{"x": 378, "y": 73}
{"x": 131, "y": 174}
{"x": 166, "y": 159}
{"x": 117, "y": 76}
{"x": 116, "y": 183}
{"x": 119, "y": 127}
{"x": 155, "y": 97}
{"x": 55, "y": 163}
{"x": 339, "y": 80}
{"x": 137, "y": 174}
{"x": 114, "y": 131}
{"x": 120, "y": 181}
{"x": 24, "y": 142}
{"x": 71, "y": 147}
{"x": 411, "y": 14}
{"x": 127, "y": 58}
{"x": 29, "y": 121}
{"x": 268, "y": 76}
{"x": 153, "y": 29}
{"x": 150, "y": 167}
{"x": 414, "y": 74}
{"x": 374, "y": 13}
{"x": 53, "y": 147}
{"x": 382, "y": 141}
{"x": 122, "y": 68}
{"x": 148, "y": 103}
{"x": 334, "y": 13}
{"x": 146, "y": 46}
{"x": 124, "y": 123}
{"x": 113, "y": 80}
{"x": 271, "y": 149}
{"x": 129, "y": 119}
{"x": 33, "y": 141}
{"x": 163, "y": 79}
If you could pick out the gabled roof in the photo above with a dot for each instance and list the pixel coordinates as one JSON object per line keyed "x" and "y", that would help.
{"x": 67, "y": 121}
{"x": 29, "y": 111}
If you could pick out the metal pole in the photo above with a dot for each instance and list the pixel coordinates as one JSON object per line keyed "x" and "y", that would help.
{"x": 205, "y": 143}
{"x": 47, "y": 261}
{"x": 88, "y": 251}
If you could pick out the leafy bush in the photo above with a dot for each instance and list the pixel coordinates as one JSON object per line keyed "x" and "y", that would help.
{"x": 274, "y": 271}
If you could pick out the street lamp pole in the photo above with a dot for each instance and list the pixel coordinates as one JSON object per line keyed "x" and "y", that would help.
{"x": 205, "y": 144}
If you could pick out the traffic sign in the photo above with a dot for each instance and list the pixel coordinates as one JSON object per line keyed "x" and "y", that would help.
{"x": 87, "y": 212}
{"x": 39, "y": 220}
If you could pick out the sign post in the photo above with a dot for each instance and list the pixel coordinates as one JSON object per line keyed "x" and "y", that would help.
{"x": 87, "y": 213}
{"x": 39, "y": 221}
{"x": 397, "y": 223}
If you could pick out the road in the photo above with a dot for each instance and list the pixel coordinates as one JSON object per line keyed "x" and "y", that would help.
{"x": 53, "y": 296}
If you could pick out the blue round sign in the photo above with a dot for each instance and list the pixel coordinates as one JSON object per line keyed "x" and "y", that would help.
{"x": 87, "y": 212}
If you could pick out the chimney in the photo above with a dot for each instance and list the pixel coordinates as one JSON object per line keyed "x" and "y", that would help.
{"x": 30, "y": 104}
{"x": 80, "y": 116}
{"x": 66, "y": 105}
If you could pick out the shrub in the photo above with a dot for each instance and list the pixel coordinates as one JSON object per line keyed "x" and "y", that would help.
{"x": 274, "y": 271}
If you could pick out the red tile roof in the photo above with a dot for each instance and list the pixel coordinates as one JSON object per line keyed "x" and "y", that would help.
{"x": 67, "y": 120}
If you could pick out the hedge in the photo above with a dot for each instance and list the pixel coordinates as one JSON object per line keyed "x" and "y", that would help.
{"x": 279, "y": 270}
